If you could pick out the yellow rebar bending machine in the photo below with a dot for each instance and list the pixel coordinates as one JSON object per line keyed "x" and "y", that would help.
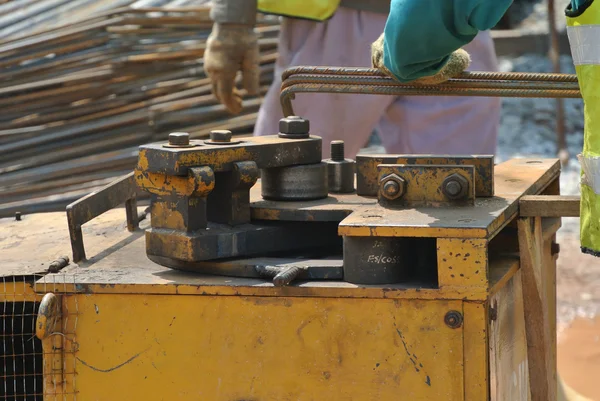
{"x": 267, "y": 273}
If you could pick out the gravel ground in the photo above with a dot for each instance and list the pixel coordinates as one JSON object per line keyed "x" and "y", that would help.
{"x": 533, "y": 15}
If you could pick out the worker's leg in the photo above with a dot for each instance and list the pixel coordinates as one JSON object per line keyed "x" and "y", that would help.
{"x": 343, "y": 41}
{"x": 452, "y": 125}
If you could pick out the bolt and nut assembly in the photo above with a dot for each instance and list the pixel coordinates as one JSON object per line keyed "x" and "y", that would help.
{"x": 294, "y": 127}
{"x": 340, "y": 170}
{"x": 392, "y": 187}
{"x": 455, "y": 187}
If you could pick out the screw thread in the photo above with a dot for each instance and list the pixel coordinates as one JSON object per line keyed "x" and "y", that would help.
{"x": 337, "y": 151}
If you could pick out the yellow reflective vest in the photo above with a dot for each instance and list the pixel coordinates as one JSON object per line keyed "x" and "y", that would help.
{"x": 583, "y": 29}
{"x": 317, "y": 10}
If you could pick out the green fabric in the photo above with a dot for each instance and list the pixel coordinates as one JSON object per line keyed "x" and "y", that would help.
{"x": 576, "y": 4}
{"x": 590, "y": 221}
{"x": 317, "y": 10}
{"x": 421, "y": 34}
{"x": 588, "y": 74}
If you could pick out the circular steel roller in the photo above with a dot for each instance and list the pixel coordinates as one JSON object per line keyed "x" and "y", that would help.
{"x": 376, "y": 260}
{"x": 295, "y": 183}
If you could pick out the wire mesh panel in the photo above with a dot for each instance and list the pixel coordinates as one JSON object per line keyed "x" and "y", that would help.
{"x": 21, "y": 354}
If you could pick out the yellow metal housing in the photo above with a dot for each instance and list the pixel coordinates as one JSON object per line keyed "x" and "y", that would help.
{"x": 131, "y": 329}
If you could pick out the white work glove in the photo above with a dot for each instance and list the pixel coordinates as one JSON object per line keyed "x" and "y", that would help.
{"x": 231, "y": 48}
{"x": 458, "y": 62}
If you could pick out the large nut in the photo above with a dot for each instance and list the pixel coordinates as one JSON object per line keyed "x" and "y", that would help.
{"x": 392, "y": 186}
{"x": 220, "y": 135}
{"x": 179, "y": 139}
{"x": 294, "y": 127}
{"x": 455, "y": 187}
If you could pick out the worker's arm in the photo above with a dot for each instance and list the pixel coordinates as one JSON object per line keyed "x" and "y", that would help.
{"x": 577, "y": 5}
{"x": 234, "y": 12}
{"x": 231, "y": 47}
{"x": 423, "y": 38}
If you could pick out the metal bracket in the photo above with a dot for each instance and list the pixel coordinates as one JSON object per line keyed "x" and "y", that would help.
{"x": 122, "y": 190}
{"x": 425, "y": 185}
{"x": 367, "y": 173}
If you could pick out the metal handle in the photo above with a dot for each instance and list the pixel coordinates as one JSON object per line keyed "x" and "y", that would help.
{"x": 374, "y": 82}
{"x": 48, "y": 315}
{"x": 122, "y": 190}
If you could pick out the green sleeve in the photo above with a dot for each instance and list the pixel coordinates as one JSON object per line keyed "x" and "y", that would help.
{"x": 577, "y": 6}
{"x": 420, "y": 35}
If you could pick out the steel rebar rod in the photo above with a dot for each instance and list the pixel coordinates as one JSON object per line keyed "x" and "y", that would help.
{"x": 479, "y": 75}
{"x": 371, "y": 81}
{"x": 454, "y": 83}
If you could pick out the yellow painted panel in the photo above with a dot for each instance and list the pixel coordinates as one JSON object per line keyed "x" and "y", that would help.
{"x": 462, "y": 262}
{"x": 423, "y": 184}
{"x": 476, "y": 352}
{"x": 255, "y": 348}
{"x": 17, "y": 291}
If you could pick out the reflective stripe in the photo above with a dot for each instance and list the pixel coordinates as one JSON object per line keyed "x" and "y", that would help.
{"x": 316, "y": 10}
{"x": 585, "y": 44}
{"x": 591, "y": 172}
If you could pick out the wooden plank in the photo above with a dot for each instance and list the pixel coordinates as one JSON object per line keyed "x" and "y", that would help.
{"x": 509, "y": 377}
{"x": 540, "y": 349}
{"x": 502, "y": 271}
{"x": 550, "y": 225}
{"x": 549, "y": 206}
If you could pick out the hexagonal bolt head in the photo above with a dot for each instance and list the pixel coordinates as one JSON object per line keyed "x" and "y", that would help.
{"x": 179, "y": 139}
{"x": 455, "y": 187}
{"x": 392, "y": 186}
{"x": 220, "y": 135}
{"x": 294, "y": 126}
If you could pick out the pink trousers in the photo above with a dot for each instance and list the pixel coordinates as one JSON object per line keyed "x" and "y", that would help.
{"x": 406, "y": 124}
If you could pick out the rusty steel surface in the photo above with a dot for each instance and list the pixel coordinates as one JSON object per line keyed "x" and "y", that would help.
{"x": 266, "y": 151}
{"x": 426, "y": 185}
{"x": 373, "y": 72}
{"x": 377, "y": 261}
{"x": 340, "y": 171}
{"x": 126, "y": 269}
{"x": 122, "y": 190}
{"x": 295, "y": 183}
{"x": 224, "y": 241}
{"x": 366, "y": 170}
{"x": 372, "y": 81}
{"x": 207, "y": 205}
{"x": 328, "y": 268}
{"x": 513, "y": 179}
{"x": 200, "y": 194}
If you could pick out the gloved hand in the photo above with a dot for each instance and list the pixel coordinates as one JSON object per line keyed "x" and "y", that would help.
{"x": 231, "y": 48}
{"x": 458, "y": 62}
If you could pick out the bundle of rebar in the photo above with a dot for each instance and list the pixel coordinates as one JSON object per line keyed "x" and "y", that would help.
{"x": 373, "y": 81}
{"x": 80, "y": 98}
